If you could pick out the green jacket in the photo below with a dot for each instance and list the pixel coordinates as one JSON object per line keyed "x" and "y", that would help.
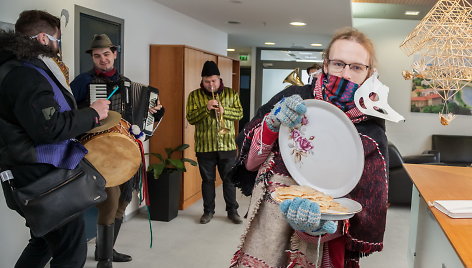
{"x": 206, "y": 137}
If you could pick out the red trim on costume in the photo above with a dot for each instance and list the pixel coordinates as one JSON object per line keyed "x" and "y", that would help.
{"x": 144, "y": 174}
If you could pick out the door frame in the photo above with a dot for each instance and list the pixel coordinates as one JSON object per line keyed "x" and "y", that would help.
{"x": 78, "y": 10}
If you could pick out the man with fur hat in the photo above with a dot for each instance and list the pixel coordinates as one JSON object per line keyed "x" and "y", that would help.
{"x": 38, "y": 123}
{"x": 111, "y": 211}
{"x": 213, "y": 148}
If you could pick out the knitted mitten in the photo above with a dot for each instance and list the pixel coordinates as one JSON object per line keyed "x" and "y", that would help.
{"x": 288, "y": 111}
{"x": 304, "y": 215}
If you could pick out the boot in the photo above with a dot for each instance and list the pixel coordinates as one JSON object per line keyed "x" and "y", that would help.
{"x": 119, "y": 257}
{"x": 105, "y": 245}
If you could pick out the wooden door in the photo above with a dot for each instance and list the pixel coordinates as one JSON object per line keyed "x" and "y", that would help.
{"x": 226, "y": 70}
{"x": 193, "y": 62}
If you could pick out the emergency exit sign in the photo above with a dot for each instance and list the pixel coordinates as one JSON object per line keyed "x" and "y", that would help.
{"x": 243, "y": 57}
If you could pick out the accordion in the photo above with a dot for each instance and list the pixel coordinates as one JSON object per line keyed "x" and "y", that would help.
{"x": 132, "y": 100}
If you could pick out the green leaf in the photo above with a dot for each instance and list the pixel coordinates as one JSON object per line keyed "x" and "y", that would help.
{"x": 193, "y": 163}
{"x": 181, "y": 147}
{"x": 157, "y": 169}
{"x": 177, "y": 163}
{"x": 157, "y": 155}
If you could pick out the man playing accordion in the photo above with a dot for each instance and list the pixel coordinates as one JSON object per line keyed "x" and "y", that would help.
{"x": 129, "y": 99}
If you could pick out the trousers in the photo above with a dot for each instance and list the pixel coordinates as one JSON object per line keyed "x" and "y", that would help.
{"x": 207, "y": 164}
{"x": 66, "y": 245}
{"x": 112, "y": 208}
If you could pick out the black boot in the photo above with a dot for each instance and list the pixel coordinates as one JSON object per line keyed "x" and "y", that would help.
{"x": 104, "y": 243}
{"x": 119, "y": 257}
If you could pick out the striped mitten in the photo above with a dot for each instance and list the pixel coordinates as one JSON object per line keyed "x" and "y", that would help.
{"x": 304, "y": 215}
{"x": 288, "y": 111}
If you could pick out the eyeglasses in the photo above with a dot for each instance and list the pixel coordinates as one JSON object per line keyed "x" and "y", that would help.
{"x": 52, "y": 38}
{"x": 338, "y": 66}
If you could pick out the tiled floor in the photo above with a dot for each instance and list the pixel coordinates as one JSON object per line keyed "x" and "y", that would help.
{"x": 183, "y": 242}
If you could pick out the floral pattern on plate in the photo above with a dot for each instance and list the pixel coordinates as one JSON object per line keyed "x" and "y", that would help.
{"x": 300, "y": 145}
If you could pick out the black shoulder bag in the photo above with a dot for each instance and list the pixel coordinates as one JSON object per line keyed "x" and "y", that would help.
{"x": 59, "y": 196}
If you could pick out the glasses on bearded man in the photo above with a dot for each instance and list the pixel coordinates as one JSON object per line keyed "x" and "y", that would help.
{"x": 50, "y": 37}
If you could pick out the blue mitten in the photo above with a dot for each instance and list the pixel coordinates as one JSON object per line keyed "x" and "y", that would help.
{"x": 288, "y": 111}
{"x": 304, "y": 215}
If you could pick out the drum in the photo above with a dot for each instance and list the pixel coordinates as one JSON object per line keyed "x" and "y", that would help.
{"x": 114, "y": 152}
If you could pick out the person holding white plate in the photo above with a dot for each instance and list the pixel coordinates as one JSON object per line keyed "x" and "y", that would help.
{"x": 293, "y": 233}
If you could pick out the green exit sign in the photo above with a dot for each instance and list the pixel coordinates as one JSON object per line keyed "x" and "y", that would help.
{"x": 243, "y": 57}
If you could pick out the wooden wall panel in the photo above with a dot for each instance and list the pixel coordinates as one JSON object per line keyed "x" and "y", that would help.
{"x": 176, "y": 71}
{"x": 166, "y": 64}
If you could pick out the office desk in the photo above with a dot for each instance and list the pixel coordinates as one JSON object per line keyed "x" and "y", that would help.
{"x": 435, "y": 239}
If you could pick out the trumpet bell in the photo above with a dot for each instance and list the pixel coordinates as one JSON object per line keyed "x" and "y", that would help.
{"x": 293, "y": 78}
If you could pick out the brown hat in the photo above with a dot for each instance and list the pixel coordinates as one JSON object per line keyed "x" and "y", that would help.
{"x": 100, "y": 41}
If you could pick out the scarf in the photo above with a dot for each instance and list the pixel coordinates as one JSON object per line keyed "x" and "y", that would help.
{"x": 339, "y": 91}
{"x": 324, "y": 93}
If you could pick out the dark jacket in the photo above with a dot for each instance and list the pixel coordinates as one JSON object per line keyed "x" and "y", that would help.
{"x": 80, "y": 88}
{"x": 26, "y": 102}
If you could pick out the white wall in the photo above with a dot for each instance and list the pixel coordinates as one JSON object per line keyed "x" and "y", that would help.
{"x": 414, "y": 135}
{"x": 146, "y": 22}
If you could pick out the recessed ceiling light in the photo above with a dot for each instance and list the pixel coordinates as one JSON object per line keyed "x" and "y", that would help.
{"x": 230, "y": 49}
{"x": 316, "y": 45}
{"x": 412, "y": 13}
{"x": 269, "y": 43}
{"x": 297, "y": 23}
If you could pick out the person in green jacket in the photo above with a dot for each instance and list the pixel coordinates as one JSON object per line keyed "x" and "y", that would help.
{"x": 213, "y": 109}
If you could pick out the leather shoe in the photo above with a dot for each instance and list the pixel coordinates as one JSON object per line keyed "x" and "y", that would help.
{"x": 117, "y": 257}
{"x": 235, "y": 218}
{"x": 206, "y": 218}
{"x": 120, "y": 257}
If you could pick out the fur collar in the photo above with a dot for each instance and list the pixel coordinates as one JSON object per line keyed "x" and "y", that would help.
{"x": 21, "y": 47}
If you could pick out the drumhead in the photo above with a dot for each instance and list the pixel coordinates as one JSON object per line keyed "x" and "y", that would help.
{"x": 115, "y": 156}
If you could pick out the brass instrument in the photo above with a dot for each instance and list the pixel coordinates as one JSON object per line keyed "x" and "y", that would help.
{"x": 293, "y": 78}
{"x": 220, "y": 122}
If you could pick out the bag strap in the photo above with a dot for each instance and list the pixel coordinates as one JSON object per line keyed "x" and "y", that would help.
{"x": 58, "y": 95}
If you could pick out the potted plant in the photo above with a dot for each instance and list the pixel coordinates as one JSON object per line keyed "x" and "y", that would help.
{"x": 164, "y": 183}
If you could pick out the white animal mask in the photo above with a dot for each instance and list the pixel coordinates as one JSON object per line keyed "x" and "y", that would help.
{"x": 379, "y": 107}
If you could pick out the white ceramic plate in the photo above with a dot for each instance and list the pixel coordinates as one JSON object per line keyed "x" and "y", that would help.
{"x": 352, "y": 206}
{"x": 326, "y": 153}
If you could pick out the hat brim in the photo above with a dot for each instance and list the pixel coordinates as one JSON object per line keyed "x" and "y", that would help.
{"x": 89, "y": 51}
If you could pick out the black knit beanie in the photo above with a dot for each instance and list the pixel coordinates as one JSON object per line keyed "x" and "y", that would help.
{"x": 210, "y": 68}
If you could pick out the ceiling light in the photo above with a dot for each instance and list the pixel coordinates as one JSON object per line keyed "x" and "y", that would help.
{"x": 412, "y": 13}
{"x": 230, "y": 49}
{"x": 269, "y": 43}
{"x": 316, "y": 45}
{"x": 297, "y": 23}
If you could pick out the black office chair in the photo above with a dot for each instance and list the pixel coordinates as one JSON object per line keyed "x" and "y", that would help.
{"x": 399, "y": 183}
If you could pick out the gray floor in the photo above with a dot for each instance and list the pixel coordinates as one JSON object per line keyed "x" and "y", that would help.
{"x": 183, "y": 242}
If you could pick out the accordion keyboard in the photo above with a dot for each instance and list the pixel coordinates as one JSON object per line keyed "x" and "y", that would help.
{"x": 97, "y": 92}
{"x": 149, "y": 123}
